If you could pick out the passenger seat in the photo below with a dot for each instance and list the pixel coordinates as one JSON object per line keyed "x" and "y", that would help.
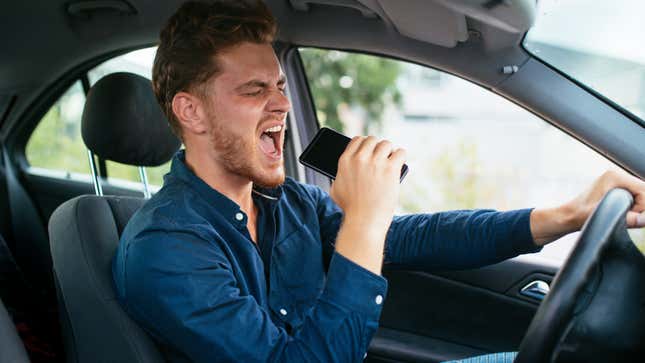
{"x": 122, "y": 122}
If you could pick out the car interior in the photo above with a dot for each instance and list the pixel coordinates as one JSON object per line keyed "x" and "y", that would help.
{"x": 59, "y": 230}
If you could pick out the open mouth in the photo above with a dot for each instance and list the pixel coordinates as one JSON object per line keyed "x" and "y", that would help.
{"x": 271, "y": 141}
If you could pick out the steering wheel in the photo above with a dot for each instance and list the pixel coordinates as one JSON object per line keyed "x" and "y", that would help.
{"x": 555, "y": 314}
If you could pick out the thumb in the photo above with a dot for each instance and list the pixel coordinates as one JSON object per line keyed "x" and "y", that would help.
{"x": 635, "y": 220}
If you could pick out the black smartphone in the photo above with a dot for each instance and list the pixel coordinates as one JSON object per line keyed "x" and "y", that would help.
{"x": 325, "y": 149}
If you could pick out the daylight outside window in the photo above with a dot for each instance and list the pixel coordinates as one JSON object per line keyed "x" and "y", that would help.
{"x": 467, "y": 147}
{"x": 598, "y": 43}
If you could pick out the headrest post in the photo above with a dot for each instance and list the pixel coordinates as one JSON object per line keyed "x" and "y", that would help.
{"x": 98, "y": 190}
{"x": 144, "y": 181}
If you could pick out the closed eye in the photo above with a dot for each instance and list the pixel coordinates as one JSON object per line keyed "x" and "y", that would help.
{"x": 253, "y": 93}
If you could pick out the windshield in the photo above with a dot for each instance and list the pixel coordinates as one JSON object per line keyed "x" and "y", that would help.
{"x": 598, "y": 43}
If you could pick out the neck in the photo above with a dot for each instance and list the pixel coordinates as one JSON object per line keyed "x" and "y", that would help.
{"x": 235, "y": 187}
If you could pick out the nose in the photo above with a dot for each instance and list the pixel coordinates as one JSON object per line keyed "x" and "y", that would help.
{"x": 279, "y": 103}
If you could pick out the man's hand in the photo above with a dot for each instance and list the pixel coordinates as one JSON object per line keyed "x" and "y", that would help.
{"x": 367, "y": 190}
{"x": 550, "y": 224}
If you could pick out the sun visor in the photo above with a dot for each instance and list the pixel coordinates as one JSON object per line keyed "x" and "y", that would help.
{"x": 426, "y": 21}
{"x": 445, "y": 22}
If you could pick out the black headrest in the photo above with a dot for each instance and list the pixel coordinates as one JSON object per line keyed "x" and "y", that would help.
{"x": 123, "y": 122}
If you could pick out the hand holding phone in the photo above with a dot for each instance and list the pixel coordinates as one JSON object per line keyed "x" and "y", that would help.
{"x": 324, "y": 151}
{"x": 368, "y": 175}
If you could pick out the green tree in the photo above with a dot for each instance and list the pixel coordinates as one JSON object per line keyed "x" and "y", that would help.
{"x": 56, "y": 143}
{"x": 457, "y": 182}
{"x": 357, "y": 80}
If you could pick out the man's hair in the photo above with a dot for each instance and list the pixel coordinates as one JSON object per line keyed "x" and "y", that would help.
{"x": 194, "y": 36}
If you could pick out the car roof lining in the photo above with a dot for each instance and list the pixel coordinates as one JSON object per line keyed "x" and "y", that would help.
{"x": 73, "y": 38}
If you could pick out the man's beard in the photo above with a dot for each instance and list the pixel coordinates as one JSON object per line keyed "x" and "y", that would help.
{"x": 237, "y": 155}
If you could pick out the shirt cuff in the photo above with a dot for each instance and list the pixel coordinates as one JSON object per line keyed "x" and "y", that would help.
{"x": 520, "y": 232}
{"x": 353, "y": 287}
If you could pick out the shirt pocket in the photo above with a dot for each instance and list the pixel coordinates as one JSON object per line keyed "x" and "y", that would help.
{"x": 297, "y": 275}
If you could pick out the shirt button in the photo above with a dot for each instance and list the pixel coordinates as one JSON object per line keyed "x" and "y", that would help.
{"x": 378, "y": 300}
{"x": 283, "y": 312}
{"x": 239, "y": 216}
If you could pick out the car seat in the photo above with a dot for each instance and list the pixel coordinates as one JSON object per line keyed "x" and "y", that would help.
{"x": 122, "y": 122}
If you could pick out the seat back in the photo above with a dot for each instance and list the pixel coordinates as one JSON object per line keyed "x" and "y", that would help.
{"x": 85, "y": 233}
{"x": 121, "y": 122}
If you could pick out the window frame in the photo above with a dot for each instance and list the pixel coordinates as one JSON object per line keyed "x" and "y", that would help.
{"x": 35, "y": 114}
{"x": 309, "y": 119}
{"x": 303, "y": 111}
{"x": 55, "y": 91}
{"x": 313, "y": 125}
{"x": 18, "y": 137}
{"x": 625, "y": 112}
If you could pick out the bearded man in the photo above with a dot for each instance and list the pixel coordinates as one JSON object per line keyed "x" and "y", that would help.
{"x": 232, "y": 262}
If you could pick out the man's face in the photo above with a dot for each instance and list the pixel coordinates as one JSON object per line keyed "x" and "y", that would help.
{"x": 246, "y": 109}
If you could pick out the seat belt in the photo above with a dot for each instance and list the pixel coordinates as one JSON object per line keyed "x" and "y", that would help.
{"x": 30, "y": 242}
{"x": 12, "y": 279}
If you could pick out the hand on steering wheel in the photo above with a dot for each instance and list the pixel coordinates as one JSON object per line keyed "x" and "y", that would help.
{"x": 586, "y": 282}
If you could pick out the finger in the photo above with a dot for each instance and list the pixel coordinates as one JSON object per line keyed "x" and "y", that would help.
{"x": 635, "y": 220}
{"x": 353, "y": 145}
{"x": 398, "y": 157}
{"x": 367, "y": 146}
{"x": 383, "y": 149}
{"x": 639, "y": 203}
{"x": 632, "y": 183}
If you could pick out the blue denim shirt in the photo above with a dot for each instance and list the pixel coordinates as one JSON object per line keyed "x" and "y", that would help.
{"x": 188, "y": 272}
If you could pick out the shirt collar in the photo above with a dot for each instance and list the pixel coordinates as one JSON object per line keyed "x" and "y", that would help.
{"x": 225, "y": 206}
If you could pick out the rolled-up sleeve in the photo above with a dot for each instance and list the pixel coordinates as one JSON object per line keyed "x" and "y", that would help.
{"x": 458, "y": 239}
{"x": 185, "y": 294}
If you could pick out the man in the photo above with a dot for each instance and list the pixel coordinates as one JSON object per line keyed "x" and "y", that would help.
{"x": 230, "y": 261}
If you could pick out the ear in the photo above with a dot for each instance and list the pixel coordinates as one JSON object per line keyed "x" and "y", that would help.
{"x": 189, "y": 110}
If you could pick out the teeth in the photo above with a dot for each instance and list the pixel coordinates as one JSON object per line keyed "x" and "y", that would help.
{"x": 274, "y": 129}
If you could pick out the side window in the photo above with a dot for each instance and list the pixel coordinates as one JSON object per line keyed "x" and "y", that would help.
{"x": 138, "y": 62}
{"x": 56, "y": 143}
{"x": 467, "y": 147}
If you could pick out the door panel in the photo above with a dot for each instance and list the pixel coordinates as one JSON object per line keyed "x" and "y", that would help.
{"x": 390, "y": 345}
{"x": 432, "y": 317}
{"x": 503, "y": 277}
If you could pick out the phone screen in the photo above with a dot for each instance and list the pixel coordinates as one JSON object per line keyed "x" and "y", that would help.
{"x": 325, "y": 149}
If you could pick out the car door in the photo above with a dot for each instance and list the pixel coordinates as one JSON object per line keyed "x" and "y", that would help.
{"x": 467, "y": 148}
